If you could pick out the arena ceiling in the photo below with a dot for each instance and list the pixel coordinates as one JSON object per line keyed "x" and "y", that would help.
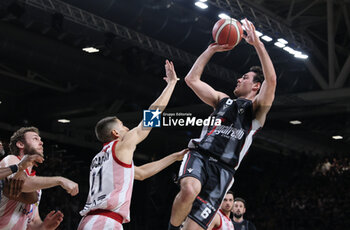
{"x": 45, "y": 75}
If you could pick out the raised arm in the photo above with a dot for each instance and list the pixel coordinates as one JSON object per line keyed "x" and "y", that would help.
{"x": 193, "y": 79}
{"x": 147, "y": 170}
{"x": 263, "y": 101}
{"x": 171, "y": 79}
{"x": 125, "y": 148}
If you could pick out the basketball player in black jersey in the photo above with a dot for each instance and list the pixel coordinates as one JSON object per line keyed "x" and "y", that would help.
{"x": 206, "y": 173}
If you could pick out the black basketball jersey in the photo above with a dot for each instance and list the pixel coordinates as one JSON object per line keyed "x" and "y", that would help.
{"x": 230, "y": 141}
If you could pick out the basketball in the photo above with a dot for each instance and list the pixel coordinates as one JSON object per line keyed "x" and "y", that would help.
{"x": 227, "y": 31}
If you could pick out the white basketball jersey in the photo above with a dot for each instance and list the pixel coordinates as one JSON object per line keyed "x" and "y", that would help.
{"x": 225, "y": 222}
{"x": 15, "y": 215}
{"x": 111, "y": 183}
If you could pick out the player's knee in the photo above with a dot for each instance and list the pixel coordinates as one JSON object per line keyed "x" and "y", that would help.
{"x": 189, "y": 190}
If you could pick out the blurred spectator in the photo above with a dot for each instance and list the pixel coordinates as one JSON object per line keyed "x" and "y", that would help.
{"x": 239, "y": 209}
{"x": 2, "y": 150}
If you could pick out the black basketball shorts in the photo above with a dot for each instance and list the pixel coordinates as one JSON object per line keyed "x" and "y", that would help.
{"x": 215, "y": 180}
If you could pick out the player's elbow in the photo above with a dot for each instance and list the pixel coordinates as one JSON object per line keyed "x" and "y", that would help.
{"x": 140, "y": 178}
{"x": 190, "y": 80}
{"x": 139, "y": 174}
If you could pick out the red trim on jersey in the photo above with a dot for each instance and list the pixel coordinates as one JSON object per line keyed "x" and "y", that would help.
{"x": 251, "y": 126}
{"x": 256, "y": 131}
{"x": 107, "y": 143}
{"x": 212, "y": 218}
{"x": 217, "y": 228}
{"x": 110, "y": 214}
{"x": 224, "y": 214}
{"x": 125, "y": 165}
{"x": 199, "y": 198}
{"x": 188, "y": 158}
{"x": 27, "y": 171}
{"x": 211, "y": 132}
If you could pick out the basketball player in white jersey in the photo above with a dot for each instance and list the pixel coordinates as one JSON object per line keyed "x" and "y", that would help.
{"x": 207, "y": 171}
{"x": 112, "y": 171}
{"x": 222, "y": 220}
{"x": 27, "y": 161}
{"x": 18, "y": 213}
{"x": 12, "y": 187}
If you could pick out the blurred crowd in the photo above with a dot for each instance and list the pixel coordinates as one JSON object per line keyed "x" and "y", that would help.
{"x": 332, "y": 168}
{"x": 316, "y": 197}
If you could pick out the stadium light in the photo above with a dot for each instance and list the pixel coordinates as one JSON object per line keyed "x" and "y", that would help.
{"x": 63, "y": 121}
{"x": 291, "y": 50}
{"x": 301, "y": 56}
{"x": 201, "y": 5}
{"x": 91, "y": 50}
{"x": 281, "y": 40}
{"x": 224, "y": 16}
{"x": 266, "y": 38}
{"x": 295, "y": 122}
{"x": 279, "y": 44}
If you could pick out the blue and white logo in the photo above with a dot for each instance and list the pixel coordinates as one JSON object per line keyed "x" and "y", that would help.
{"x": 151, "y": 118}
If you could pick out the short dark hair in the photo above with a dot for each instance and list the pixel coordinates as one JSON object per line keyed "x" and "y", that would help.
{"x": 19, "y": 136}
{"x": 230, "y": 192}
{"x": 259, "y": 74}
{"x": 240, "y": 199}
{"x": 104, "y": 127}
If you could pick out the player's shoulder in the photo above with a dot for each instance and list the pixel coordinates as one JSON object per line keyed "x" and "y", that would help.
{"x": 124, "y": 144}
{"x": 9, "y": 160}
{"x": 129, "y": 137}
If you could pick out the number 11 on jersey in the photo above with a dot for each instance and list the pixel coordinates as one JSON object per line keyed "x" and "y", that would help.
{"x": 99, "y": 178}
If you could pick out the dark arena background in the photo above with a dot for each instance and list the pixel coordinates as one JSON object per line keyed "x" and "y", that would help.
{"x": 295, "y": 176}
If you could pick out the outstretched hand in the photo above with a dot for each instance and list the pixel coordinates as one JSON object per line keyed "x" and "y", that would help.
{"x": 251, "y": 37}
{"x": 180, "y": 155}
{"x": 52, "y": 220}
{"x": 30, "y": 160}
{"x": 171, "y": 76}
{"x": 220, "y": 48}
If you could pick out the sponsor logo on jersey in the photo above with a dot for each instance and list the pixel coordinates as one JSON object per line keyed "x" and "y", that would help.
{"x": 229, "y": 102}
{"x": 229, "y": 132}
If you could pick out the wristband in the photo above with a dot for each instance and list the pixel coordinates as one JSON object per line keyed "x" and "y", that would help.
{"x": 14, "y": 168}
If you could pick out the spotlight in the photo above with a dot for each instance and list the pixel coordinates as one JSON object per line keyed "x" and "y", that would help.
{"x": 201, "y": 5}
